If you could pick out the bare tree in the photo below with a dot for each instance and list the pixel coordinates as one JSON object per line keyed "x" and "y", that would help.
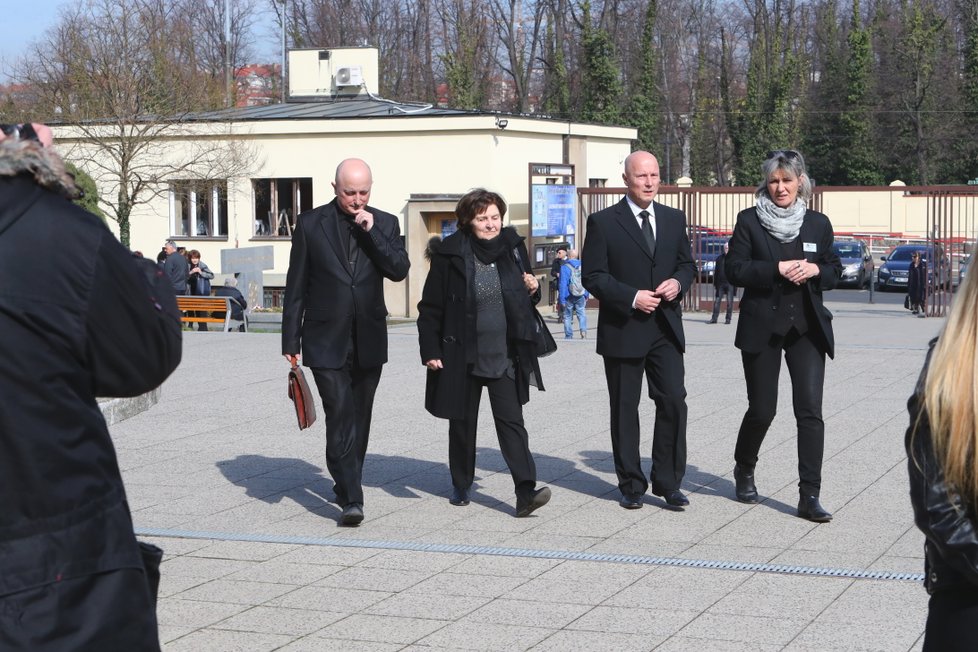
{"x": 518, "y": 27}
{"x": 122, "y": 75}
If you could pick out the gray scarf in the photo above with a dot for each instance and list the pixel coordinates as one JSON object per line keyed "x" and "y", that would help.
{"x": 782, "y": 223}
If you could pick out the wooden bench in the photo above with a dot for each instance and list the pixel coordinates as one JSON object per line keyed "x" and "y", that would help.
{"x": 198, "y": 309}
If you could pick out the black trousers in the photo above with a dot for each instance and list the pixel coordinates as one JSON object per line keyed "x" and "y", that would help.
{"x": 514, "y": 443}
{"x": 951, "y": 619}
{"x": 105, "y": 611}
{"x": 665, "y": 372}
{"x": 348, "y": 402}
{"x": 728, "y": 291}
{"x": 806, "y": 364}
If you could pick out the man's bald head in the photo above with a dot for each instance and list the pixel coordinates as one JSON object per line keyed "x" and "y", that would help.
{"x": 352, "y": 185}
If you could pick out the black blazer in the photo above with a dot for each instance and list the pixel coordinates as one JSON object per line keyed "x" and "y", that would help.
{"x": 752, "y": 263}
{"x": 325, "y": 298}
{"x": 616, "y": 263}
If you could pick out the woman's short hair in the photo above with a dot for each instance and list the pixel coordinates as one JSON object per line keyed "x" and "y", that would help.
{"x": 790, "y": 161}
{"x": 474, "y": 202}
{"x": 193, "y": 253}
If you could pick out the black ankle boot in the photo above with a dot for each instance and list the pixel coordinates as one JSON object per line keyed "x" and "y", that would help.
{"x": 746, "y": 489}
{"x": 809, "y": 508}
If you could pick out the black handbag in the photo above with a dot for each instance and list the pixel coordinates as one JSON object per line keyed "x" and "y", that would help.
{"x": 545, "y": 340}
{"x": 906, "y": 302}
{"x": 546, "y": 344}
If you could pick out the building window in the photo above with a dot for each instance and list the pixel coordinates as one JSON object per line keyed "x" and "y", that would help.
{"x": 597, "y": 183}
{"x": 199, "y": 208}
{"x": 278, "y": 202}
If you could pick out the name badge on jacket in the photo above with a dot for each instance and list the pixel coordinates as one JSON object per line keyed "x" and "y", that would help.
{"x": 809, "y": 247}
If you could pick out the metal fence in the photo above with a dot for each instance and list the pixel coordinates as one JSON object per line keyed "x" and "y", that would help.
{"x": 951, "y": 222}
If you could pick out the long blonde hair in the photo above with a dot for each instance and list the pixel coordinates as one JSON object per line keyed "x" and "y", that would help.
{"x": 951, "y": 393}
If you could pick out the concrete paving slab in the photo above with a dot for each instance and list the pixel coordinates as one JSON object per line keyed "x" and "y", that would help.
{"x": 243, "y": 503}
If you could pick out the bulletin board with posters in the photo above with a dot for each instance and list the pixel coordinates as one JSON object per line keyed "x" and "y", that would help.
{"x": 553, "y": 209}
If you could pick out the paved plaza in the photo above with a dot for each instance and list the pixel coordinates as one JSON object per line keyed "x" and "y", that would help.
{"x": 221, "y": 478}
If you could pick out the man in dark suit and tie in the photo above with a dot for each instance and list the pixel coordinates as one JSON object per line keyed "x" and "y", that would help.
{"x": 335, "y": 311}
{"x": 637, "y": 262}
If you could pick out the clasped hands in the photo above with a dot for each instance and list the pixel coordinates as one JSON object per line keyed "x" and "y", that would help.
{"x": 797, "y": 271}
{"x": 648, "y": 300}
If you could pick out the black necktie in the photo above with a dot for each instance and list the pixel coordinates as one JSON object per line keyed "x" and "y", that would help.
{"x": 647, "y": 231}
{"x": 353, "y": 248}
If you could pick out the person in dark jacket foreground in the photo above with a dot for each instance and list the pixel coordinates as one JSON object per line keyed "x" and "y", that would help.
{"x": 476, "y": 329}
{"x": 943, "y": 467}
{"x": 92, "y": 321}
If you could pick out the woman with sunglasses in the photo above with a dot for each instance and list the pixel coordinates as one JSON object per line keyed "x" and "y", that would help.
{"x": 781, "y": 254}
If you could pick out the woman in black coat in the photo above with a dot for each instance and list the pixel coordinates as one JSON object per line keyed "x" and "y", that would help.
{"x": 781, "y": 254}
{"x": 917, "y": 284}
{"x": 943, "y": 466}
{"x": 476, "y": 329}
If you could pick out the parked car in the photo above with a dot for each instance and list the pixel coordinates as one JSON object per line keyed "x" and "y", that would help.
{"x": 857, "y": 263}
{"x": 894, "y": 272}
{"x": 706, "y": 251}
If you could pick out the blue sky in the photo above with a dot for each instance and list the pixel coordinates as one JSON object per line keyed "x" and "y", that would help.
{"x": 23, "y": 22}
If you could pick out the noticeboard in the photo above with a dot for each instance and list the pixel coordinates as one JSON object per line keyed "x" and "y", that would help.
{"x": 554, "y": 209}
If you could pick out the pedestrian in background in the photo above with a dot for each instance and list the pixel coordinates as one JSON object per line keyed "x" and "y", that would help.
{"x": 199, "y": 280}
{"x": 781, "y": 254}
{"x": 573, "y": 296}
{"x": 555, "y": 268}
{"x": 917, "y": 284}
{"x": 943, "y": 465}
{"x": 176, "y": 268}
{"x": 722, "y": 287}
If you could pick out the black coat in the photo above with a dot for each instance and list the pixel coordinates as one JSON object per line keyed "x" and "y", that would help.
{"x": 446, "y": 322}
{"x": 950, "y": 524}
{"x": 616, "y": 263}
{"x": 917, "y": 283}
{"x": 81, "y": 317}
{"x": 325, "y": 299}
{"x": 752, "y": 263}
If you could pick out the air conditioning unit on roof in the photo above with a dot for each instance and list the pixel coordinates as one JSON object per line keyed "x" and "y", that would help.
{"x": 349, "y": 76}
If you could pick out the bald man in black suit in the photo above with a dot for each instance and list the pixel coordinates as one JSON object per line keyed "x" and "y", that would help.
{"x": 335, "y": 314}
{"x": 637, "y": 262}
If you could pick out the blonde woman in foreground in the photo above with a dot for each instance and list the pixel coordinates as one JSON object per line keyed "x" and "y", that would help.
{"x": 941, "y": 443}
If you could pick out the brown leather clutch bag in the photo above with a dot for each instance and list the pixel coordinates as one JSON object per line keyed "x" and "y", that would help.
{"x": 305, "y": 407}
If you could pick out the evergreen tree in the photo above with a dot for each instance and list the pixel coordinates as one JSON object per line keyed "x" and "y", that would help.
{"x": 969, "y": 19}
{"x": 706, "y": 147}
{"x": 601, "y": 86}
{"x": 85, "y": 183}
{"x": 857, "y": 152}
{"x": 556, "y": 97}
{"x": 643, "y": 110}
{"x": 822, "y": 133}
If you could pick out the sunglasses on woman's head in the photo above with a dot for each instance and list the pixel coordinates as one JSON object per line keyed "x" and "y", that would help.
{"x": 786, "y": 154}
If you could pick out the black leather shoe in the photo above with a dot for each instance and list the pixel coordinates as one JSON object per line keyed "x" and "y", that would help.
{"x": 673, "y": 498}
{"x": 746, "y": 489}
{"x": 534, "y": 501}
{"x": 352, "y": 515}
{"x": 460, "y": 497}
{"x": 631, "y": 501}
{"x": 712, "y": 321}
{"x": 808, "y": 507}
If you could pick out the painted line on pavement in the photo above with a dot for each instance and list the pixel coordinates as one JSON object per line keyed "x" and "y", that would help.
{"x": 643, "y": 560}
